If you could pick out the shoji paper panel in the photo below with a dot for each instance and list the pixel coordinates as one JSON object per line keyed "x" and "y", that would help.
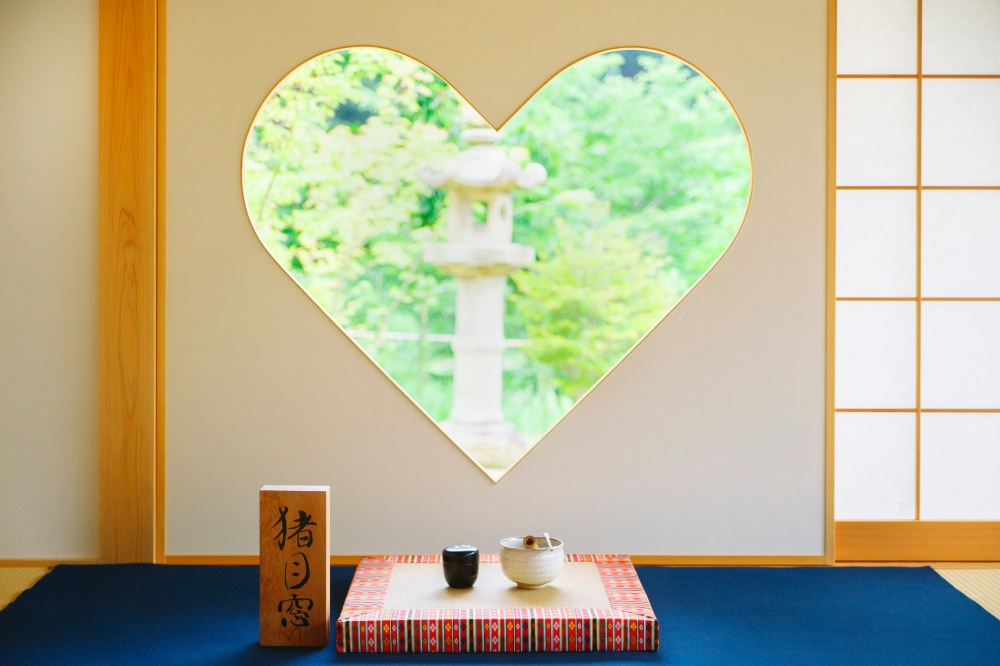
{"x": 876, "y": 132}
{"x": 960, "y": 467}
{"x": 876, "y": 355}
{"x": 961, "y": 243}
{"x": 877, "y": 36}
{"x": 961, "y": 36}
{"x": 876, "y": 243}
{"x": 961, "y": 131}
{"x": 960, "y": 355}
{"x": 876, "y": 466}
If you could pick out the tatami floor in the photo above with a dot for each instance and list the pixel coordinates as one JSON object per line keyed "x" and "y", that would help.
{"x": 15, "y": 580}
{"x": 980, "y": 585}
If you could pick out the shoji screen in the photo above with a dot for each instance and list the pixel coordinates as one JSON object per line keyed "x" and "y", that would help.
{"x": 918, "y": 260}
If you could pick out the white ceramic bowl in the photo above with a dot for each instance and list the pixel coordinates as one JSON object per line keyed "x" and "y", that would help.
{"x": 531, "y": 568}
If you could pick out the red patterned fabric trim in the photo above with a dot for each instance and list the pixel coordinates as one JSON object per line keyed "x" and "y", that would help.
{"x": 629, "y": 625}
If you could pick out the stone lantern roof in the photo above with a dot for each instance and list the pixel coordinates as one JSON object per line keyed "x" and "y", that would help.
{"x": 481, "y": 174}
{"x": 482, "y": 167}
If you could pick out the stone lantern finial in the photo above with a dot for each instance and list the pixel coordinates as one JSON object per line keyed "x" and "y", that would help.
{"x": 477, "y": 131}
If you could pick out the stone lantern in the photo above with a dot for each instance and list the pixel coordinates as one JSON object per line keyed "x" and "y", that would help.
{"x": 480, "y": 255}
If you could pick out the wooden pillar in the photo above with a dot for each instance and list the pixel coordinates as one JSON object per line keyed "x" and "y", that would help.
{"x": 294, "y": 565}
{"x": 127, "y": 281}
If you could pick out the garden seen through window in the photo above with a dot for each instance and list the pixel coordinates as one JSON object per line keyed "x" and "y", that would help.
{"x": 496, "y": 277}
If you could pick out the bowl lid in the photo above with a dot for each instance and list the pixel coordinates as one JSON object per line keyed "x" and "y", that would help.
{"x": 460, "y": 551}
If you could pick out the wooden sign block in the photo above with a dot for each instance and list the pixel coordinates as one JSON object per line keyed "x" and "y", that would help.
{"x": 294, "y": 565}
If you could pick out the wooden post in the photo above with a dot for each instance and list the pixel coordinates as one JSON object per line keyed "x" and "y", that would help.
{"x": 294, "y": 565}
{"x": 126, "y": 280}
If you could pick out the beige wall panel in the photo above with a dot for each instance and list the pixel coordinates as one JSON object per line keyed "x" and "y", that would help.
{"x": 48, "y": 279}
{"x": 708, "y": 439}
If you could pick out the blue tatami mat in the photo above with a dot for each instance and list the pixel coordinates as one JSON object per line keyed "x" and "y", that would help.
{"x": 147, "y": 614}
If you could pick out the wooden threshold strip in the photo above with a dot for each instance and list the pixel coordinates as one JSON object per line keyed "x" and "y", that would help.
{"x": 917, "y": 540}
{"x": 30, "y": 563}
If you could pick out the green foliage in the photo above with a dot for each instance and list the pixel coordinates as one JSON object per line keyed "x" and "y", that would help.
{"x": 648, "y": 180}
{"x": 585, "y": 305}
{"x": 331, "y": 180}
{"x": 663, "y": 150}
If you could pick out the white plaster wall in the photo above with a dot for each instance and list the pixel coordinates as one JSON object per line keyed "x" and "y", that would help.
{"x": 48, "y": 278}
{"x": 707, "y": 440}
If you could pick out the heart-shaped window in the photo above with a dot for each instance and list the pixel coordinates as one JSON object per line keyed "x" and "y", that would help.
{"x": 496, "y": 276}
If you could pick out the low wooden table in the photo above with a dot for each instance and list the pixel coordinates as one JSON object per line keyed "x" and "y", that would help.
{"x": 401, "y": 603}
